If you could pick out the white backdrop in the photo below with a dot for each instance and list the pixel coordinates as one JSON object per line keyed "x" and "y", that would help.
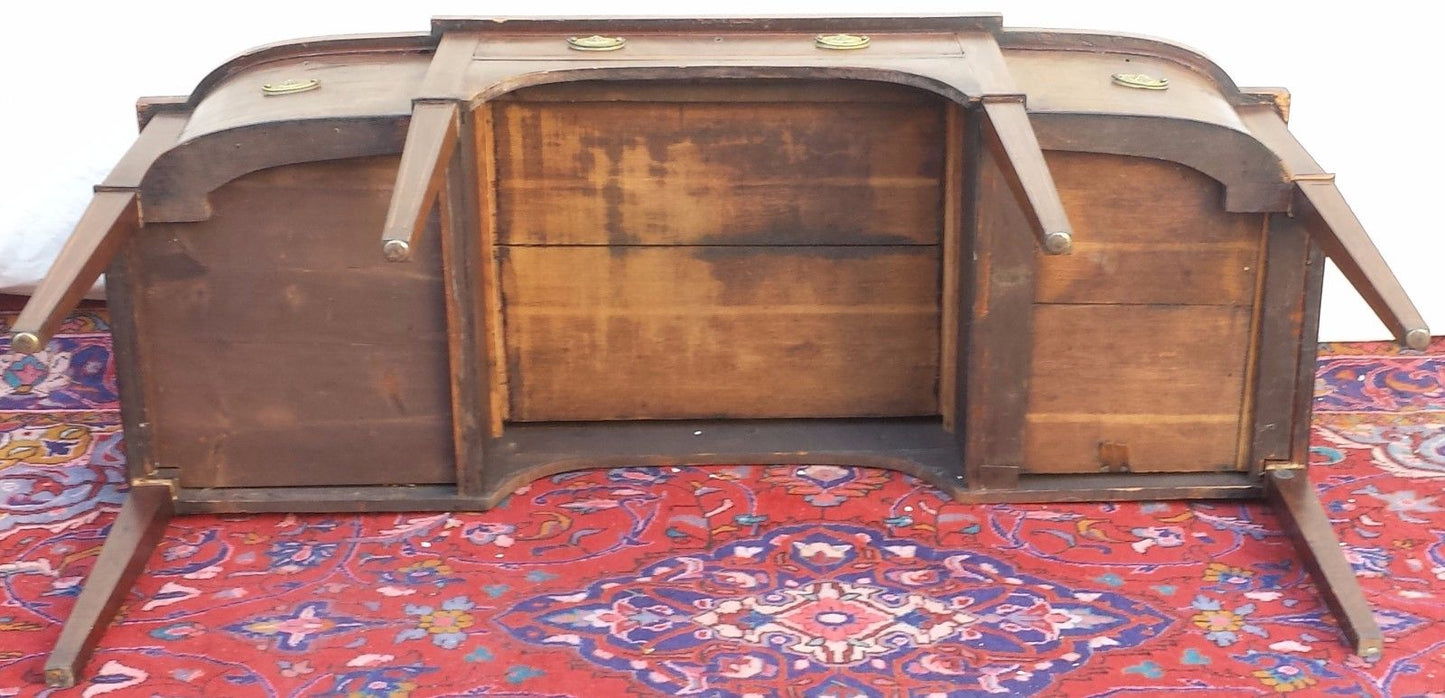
{"x": 1364, "y": 85}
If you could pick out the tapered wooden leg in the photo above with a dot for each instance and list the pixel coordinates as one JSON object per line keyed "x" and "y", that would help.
{"x": 1303, "y": 516}
{"x": 132, "y": 539}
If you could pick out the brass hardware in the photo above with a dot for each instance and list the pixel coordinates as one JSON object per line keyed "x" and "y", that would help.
{"x": 1282, "y": 466}
{"x": 1113, "y": 457}
{"x": 290, "y": 86}
{"x": 25, "y": 342}
{"x": 168, "y": 483}
{"x": 396, "y": 250}
{"x": 841, "y": 42}
{"x": 1418, "y": 338}
{"x": 596, "y": 43}
{"x": 1058, "y": 243}
{"x": 1140, "y": 81}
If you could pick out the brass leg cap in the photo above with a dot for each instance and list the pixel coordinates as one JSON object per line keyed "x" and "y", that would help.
{"x": 396, "y": 250}
{"x": 1058, "y": 243}
{"x": 1418, "y": 338}
{"x": 59, "y": 678}
{"x": 26, "y": 342}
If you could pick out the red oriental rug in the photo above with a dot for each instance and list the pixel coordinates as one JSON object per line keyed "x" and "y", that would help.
{"x": 806, "y": 580}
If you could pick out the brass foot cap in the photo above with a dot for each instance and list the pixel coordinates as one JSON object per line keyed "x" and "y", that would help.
{"x": 396, "y": 250}
{"x": 1058, "y": 243}
{"x": 25, "y": 342}
{"x": 59, "y": 678}
{"x": 1418, "y": 338}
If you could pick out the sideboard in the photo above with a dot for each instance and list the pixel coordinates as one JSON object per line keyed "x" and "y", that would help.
{"x": 415, "y": 271}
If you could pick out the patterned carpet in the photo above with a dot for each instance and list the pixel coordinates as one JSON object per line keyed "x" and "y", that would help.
{"x": 732, "y": 581}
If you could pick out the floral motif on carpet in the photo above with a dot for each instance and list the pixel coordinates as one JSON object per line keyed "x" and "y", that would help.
{"x": 804, "y": 580}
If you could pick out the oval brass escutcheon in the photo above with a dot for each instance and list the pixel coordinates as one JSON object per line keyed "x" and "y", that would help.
{"x": 1140, "y": 81}
{"x": 596, "y": 42}
{"x": 841, "y": 42}
{"x": 290, "y": 86}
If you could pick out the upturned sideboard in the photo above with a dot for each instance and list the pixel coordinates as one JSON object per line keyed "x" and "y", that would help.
{"x": 415, "y": 271}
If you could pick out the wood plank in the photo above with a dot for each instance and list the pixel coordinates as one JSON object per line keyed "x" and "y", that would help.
{"x": 1304, "y": 399}
{"x": 1139, "y": 359}
{"x": 1280, "y": 330}
{"x": 1069, "y": 443}
{"x": 294, "y": 380}
{"x": 322, "y": 306}
{"x": 468, "y": 367}
{"x": 130, "y": 380}
{"x": 1149, "y": 231}
{"x": 695, "y": 173}
{"x": 489, "y": 266}
{"x": 717, "y": 91}
{"x": 131, "y": 541}
{"x": 376, "y": 451}
{"x": 278, "y": 322}
{"x": 1132, "y": 487}
{"x": 678, "y": 332}
{"x": 999, "y": 331}
{"x": 951, "y": 302}
{"x": 1166, "y": 381}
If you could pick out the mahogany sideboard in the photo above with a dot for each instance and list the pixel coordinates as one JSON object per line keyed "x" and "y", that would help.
{"x": 414, "y": 271}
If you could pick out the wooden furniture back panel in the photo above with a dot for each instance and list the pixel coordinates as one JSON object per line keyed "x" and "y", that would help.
{"x": 759, "y": 255}
{"x": 727, "y": 332}
{"x": 638, "y": 172}
{"x": 278, "y": 348}
{"x": 1143, "y": 336}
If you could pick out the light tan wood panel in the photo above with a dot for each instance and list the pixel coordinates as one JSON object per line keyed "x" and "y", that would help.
{"x": 693, "y": 332}
{"x": 1168, "y": 381}
{"x": 741, "y": 173}
{"x": 1148, "y": 231}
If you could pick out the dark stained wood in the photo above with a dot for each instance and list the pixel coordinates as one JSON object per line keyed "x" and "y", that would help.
{"x": 316, "y": 48}
{"x": 1017, "y": 151}
{"x": 1304, "y": 398}
{"x": 1309, "y": 528}
{"x": 157, "y": 135}
{"x": 1032, "y": 488}
{"x": 997, "y": 382}
{"x": 707, "y": 25}
{"x": 464, "y": 269}
{"x": 669, "y": 332}
{"x": 1251, "y": 174}
{"x": 645, "y": 172}
{"x": 722, "y": 244}
{"x": 721, "y": 91}
{"x": 1279, "y": 337}
{"x": 1093, "y": 42}
{"x": 108, "y": 221}
{"x": 956, "y": 192}
{"x": 129, "y": 544}
{"x": 1338, "y": 232}
{"x": 430, "y": 141}
{"x": 130, "y": 380}
{"x": 178, "y": 187}
{"x": 344, "y": 360}
{"x": 1014, "y": 145}
{"x": 1334, "y": 227}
